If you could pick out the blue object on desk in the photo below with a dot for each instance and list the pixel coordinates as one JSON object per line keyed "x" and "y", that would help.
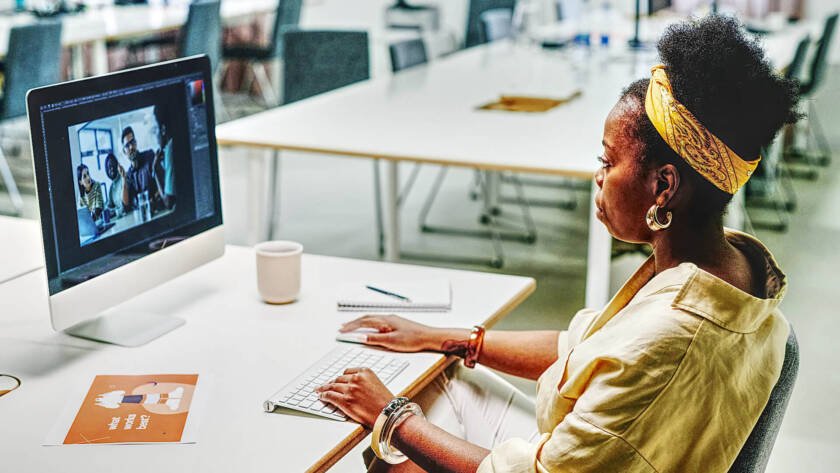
{"x": 388, "y": 293}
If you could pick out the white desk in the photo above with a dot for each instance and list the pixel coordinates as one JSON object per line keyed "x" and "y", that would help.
{"x": 20, "y": 247}
{"x": 97, "y": 25}
{"x": 428, "y": 115}
{"x": 250, "y": 349}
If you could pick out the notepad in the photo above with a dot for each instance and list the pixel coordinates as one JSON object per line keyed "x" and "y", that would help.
{"x": 431, "y": 295}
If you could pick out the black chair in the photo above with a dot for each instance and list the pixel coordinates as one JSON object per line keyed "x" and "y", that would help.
{"x": 756, "y": 450}
{"x": 315, "y": 62}
{"x": 770, "y": 186}
{"x": 259, "y": 56}
{"x": 808, "y": 89}
{"x": 476, "y": 8}
{"x": 33, "y": 59}
{"x": 408, "y": 53}
{"x": 202, "y": 33}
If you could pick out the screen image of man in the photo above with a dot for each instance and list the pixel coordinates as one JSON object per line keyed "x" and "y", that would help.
{"x": 143, "y": 175}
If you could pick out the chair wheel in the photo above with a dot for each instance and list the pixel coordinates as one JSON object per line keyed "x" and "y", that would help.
{"x": 496, "y": 263}
{"x": 484, "y": 219}
{"x": 496, "y": 211}
{"x": 473, "y": 196}
{"x": 530, "y": 239}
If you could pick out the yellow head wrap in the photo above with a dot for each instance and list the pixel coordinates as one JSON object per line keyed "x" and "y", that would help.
{"x": 705, "y": 152}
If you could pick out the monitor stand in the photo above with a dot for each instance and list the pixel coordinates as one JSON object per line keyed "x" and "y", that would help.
{"x": 128, "y": 329}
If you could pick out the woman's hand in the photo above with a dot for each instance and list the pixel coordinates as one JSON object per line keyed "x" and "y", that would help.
{"x": 399, "y": 334}
{"x": 358, "y": 393}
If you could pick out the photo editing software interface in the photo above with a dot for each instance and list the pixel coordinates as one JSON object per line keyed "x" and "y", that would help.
{"x": 130, "y": 171}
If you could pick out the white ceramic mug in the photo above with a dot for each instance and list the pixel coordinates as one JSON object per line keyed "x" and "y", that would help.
{"x": 278, "y": 270}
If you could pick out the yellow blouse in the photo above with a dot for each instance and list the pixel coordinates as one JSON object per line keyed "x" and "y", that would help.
{"x": 670, "y": 377}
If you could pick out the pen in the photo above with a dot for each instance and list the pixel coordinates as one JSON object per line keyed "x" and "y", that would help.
{"x": 387, "y": 293}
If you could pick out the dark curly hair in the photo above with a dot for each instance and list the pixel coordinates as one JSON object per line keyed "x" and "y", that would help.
{"x": 721, "y": 76}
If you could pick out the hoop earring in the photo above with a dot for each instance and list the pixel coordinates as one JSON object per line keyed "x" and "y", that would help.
{"x": 652, "y": 219}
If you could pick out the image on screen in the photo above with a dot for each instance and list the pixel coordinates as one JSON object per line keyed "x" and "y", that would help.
{"x": 123, "y": 170}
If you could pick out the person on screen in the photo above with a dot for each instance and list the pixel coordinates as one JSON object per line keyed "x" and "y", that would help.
{"x": 164, "y": 157}
{"x": 143, "y": 175}
{"x": 115, "y": 172}
{"x": 90, "y": 192}
{"x": 674, "y": 373}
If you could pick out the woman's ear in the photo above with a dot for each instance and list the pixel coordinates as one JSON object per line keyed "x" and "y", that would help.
{"x": 665, "y": 183}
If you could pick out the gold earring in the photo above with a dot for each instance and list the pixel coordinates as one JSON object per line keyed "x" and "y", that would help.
{"x": 652, "y": 219}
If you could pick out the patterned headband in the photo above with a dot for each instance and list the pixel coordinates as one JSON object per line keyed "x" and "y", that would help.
{"x": 702, "y": 150}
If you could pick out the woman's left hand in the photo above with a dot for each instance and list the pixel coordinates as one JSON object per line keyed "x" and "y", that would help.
{"x": 358, "y": 393}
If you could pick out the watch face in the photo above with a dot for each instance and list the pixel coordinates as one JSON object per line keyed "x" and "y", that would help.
{"x": 8, "y": 383}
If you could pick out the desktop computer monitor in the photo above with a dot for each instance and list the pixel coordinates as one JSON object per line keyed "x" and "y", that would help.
{"x": 128, "y": 190}
{"x": 656, "y": 5}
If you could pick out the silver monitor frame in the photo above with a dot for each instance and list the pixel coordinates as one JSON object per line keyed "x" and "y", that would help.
{"x": 91, "y": 309}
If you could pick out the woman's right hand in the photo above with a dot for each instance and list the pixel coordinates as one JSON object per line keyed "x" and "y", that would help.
{"x": 398, "y": 334}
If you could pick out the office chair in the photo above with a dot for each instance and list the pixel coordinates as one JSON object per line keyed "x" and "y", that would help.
{"x": 202, "y": 34}
{"x": 808, "y": 89}
{"x": 770, "y": 186}
{"x": 33, "y": 60}
{"x": 474, "y": 35}
{"x": 756, "y": 451}
{"x": 259, "y": 57}
{"x": 315, "y": 62}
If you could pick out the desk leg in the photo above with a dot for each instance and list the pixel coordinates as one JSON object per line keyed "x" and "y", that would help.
{"x": 598, "y": 260}
{"x": 99, "y": 58}
{"x": 392, "y": 214}
{"x": 258, "y": 197}
{"x": 273, "y": 192}
{"x": 77, "y": 61}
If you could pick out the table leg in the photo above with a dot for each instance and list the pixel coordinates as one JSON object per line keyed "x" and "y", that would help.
{"x": 598, "y": 260}
{"x": 77, "y": 61}
{"x": 273, "y": 192}
{"x": 258, "y": 197}
{"x": 99, "y": 58}
{"x": 491, "y": 194}
{"x": 392, "y": 214}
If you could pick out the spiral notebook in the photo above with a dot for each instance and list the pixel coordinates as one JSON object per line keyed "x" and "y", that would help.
{"x": 432, "y": 295}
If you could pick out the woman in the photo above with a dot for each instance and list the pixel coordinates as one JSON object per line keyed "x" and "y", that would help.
{"x": 90, "y": 192}
{"x": 673, "y": 374}
{"x": 115, "y": 172}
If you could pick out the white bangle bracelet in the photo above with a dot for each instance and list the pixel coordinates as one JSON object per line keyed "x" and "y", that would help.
{"x": 387, "y": 452}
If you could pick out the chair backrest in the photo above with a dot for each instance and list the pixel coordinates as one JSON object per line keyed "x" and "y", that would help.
{"x": 408, "y": 53}
{"x": 795, "y": 67}
{"x": 820, "y": 62}
{"x": 33, "y": 60}
{"x": 756, "y": 451}
{"x": 476, "y": 7}
{"x": 315, "y": 62}
{"x": 287, "y": 18}
{"x": 496, "y": 24}
{"x": 202, "y": 33}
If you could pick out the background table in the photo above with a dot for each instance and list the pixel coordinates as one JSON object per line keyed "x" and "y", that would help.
{"x": 246, "y": 348}
{"x": 21, "y": 250}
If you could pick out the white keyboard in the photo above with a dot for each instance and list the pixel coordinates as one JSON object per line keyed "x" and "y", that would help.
{"x": 300, "y": 396}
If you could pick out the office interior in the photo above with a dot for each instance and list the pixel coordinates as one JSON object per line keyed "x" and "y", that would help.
{"x": 470, "y": 216}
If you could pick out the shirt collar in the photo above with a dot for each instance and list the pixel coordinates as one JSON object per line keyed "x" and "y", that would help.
{"x": 704, "y": 294}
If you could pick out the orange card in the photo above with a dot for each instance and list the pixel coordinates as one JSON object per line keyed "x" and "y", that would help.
{"x": 134, "y": 409}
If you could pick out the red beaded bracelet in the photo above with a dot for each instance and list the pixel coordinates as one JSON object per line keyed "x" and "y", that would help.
{"x": 476, "y": 342}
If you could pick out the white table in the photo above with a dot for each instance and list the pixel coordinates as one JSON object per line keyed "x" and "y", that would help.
{"x": 98, "y": 25}
{"x": 20, "y": 247}
{"x": 250, "y": 349}
{"x": 428, "y": 115}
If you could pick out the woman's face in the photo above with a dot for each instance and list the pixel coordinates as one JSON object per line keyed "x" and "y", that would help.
{"x": 85, "y": 180}
{"x": 623, "y": 197}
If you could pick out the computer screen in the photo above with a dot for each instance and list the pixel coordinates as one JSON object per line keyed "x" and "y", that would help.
{"x": 129, "y": 162}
